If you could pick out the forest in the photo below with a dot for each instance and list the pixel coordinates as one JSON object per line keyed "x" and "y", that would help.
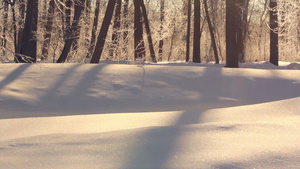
{"x": 87, "y": 31}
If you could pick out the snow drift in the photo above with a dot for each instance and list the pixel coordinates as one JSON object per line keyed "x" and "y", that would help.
{"x": 148, "y": 116}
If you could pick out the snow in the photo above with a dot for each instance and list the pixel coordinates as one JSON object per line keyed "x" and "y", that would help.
{"x": 167, "y": 115}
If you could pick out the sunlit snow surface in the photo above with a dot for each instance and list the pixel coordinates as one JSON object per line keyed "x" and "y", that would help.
{"x": 168, "y": 115}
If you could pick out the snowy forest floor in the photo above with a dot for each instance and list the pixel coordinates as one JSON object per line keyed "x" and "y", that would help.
{"x": 152, "y": 116}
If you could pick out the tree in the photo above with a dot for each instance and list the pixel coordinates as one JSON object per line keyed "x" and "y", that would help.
{"x": 103, "y": 31}
{"x": 116, "y": 28}
{"x": 72, "y": 31}
{"x": 139, "y": 46}
{"x": 197, "y": 19}
{"x": 231, "y": 34}
{"x": 212, "y": 35}
{"x": 147, "y": 26}
{"x": 162, "y": 18}
{"x": 273, "y": 32}
{"x": 48, "y": 29}
{"x": 29, "y": 42}
{"x": 94, "y": 29}
{"x": 188, "y": 31}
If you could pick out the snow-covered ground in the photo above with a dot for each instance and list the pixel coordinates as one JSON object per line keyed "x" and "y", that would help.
{"x": 167, "y": 115}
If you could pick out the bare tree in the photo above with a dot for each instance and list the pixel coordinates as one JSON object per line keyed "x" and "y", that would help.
{"x": 103, "y": 31}
{"x": 116, "y": 29}
{"x": 188, "y": 31}
{"x": 139, "y": 46}
{"x": 231, "y": 34}
{"x": 273, "y": 32}
{"x": 94, "y": 29}
{"x": 197, "y": 35}
{"x": 162, "y": 18}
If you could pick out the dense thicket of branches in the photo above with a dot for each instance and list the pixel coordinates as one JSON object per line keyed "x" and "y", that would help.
{"x": 80, "y": 31}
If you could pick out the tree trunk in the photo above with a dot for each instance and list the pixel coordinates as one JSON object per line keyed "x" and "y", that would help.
{"x": 48, "y": 28}
{"x": 139, "y": 46}
{"x": 211, "y": 31}
{"x": 73, "y": 32}
{"x": 126, "y": 25}
{"x": 188, "y": 31}
{"x": 29, "y": 42}
{"x": 103, "y": 32}
{"x": 149, "y": 36}
{"x": 273, "y": 33}
{"x": 4, "y": 28}
{"x": 162, "y": 18}
{"x": 94, "y": 29}
{"x": 231, "y": 35}
{"x": 116, "y": 29}
{"x": 20, "y": 28}
{"x": 197, "y": 19}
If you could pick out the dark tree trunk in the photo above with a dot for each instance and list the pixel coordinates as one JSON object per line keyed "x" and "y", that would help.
{"x": 73, "y": 32}
{"x": 103, "y": 31}
{"x": 211, "y": 31}
{"x": 29, "y": 43}
{"x": 196, "y": 47}
{"x": 148, "y": 31}
{"x": 94, "y": 29}
{"x": 162, "y": 18}
{"x": 139, "y": 46}
{"x": 231, "y": 34}
{"x": 273, "y": 33}
{"x": 20, "y": 29}
{"x": 116, "y": 29}
{"x": 241, "y": 9}
{"x": 48, "y": 28}
{"x": 188, "y": 31}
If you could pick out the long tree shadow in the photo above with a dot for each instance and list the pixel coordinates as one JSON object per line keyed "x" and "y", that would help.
{"x": 14, "y": 75}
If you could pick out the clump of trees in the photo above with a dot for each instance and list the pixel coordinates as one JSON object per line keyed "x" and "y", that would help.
{"x": 92, "y": 30}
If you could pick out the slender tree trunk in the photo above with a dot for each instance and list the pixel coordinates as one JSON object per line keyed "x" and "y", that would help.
{"x": 139, "y": 46}
{"x": 116, "y": 29}
{"x": 162, "y": 18}
{"x": 273, "y": 33}
{"x": 103, "y": 31}
{"x": 5, "y": 19}
{"x": 148, "y": 31}
{"x": 211, "y": 31}
{"x": 73, "y": 33}
{"x": 29, "y": 42}
{"x": 94, "y": 29}
{"x": 48, "y": 28}
{"x": 188, "y": 31}
{"x": 231, "y": 34}
{"x": 22, "y": 9}
{"x": 197, "y": 36}
{"x": 126, "y": 25}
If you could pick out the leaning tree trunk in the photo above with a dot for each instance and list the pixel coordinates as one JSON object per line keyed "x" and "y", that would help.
{"x": 147, "y": 26}
{"x": 29, "y": 42}
{"x": 211, "y": 31}
{"x": 72, "y": 32}
{"x": 231, "y": 34}
{"x": 103, "y": 32}
{"x": 197, "y": 36}
{"x": 273, "y": 33}
{"x": 188, "y": 31}
{"x": 139, "y": 46}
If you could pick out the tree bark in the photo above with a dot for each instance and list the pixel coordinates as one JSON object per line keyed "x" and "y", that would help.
{"x": 231, "y": 35}
{"x": 273, "y": 33}
{"x": 148, "y": 31}
{"x": 188, "y": 31}
{"x": 211, "y": 31}
{"x": 126, "y": 25}
{"x": 103, "y": 31}
{"x": 139, "y": 46}
{"x": 29, "y": 42}
{"x": 197, "y": 19}
{"x": 73, "y": 32}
